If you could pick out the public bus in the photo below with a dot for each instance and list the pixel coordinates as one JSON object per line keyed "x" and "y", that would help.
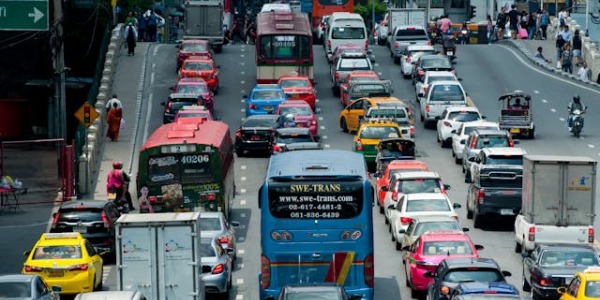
{"x": 316, "y": 222}
{"x": 322, "y": 8}
{"x": 283, "y": 46}
{"x": 188, "y": 166}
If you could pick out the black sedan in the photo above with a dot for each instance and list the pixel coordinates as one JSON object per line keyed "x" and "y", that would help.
{"x": 436, "y": 62}
{"x": 257, "y": 133}
{"x": 550, "y": 266}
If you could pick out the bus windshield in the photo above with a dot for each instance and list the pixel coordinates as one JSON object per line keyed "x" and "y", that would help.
{"x": 315, "y": 199}
{"x": 285, "y": 47}
{"x": 179, "y": 168}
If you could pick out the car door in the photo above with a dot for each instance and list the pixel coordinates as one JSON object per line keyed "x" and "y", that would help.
{"x": 529, "y": 264}
{"x": 456, "y": 137}
{"x": 96, "y": 260}
{"x": 354, "y": 111}
{"x": 409, "y": 256}
{"x": 408, "y": 234}
{"x": 440, "y": 122}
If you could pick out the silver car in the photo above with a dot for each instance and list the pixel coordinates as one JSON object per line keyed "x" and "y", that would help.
{"x": 27, "y": 287}
{"x": 214, "y": 225}
{"x": 108, "y": 295}
{"x": 217, "y": 267}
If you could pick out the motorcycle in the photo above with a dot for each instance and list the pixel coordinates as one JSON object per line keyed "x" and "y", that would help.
{"x": 449, "y": 46}
{"x": 463, "y": 36}
{"x": 577, "y": 122}
{"x": 122, "y": 202}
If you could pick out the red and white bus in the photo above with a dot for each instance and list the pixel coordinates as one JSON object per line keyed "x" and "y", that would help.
{"x": 283, "y": 46}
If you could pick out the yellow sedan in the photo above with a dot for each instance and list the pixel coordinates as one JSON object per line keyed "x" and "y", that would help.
{"x": 585, "y": 285}
{"x": 66, "y": 260}
{"x": 350, "y": 116}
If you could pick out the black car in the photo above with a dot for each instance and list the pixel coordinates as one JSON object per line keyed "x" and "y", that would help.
{"x": 94, "y": 219}
{"x": 453, "y": 271}
{"x": 433, "y": 62}
{"x": 176, "y": 102}
{"x": 484, "y": 288}
{"x": 257, "y": 133}
{"x": 286, "y": 136}
{"x": 550, "y": 266}
{"x": 322, "y": 291}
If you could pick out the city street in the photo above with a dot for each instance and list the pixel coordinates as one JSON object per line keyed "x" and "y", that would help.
{"x": 486, "y": 72}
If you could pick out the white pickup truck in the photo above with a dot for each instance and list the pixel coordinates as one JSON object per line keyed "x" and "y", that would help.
{"x": 441, "y": 95}
{"x": 558, "y": 202}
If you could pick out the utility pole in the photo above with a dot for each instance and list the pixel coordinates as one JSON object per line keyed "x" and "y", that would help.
{"x": 58, "y": 65}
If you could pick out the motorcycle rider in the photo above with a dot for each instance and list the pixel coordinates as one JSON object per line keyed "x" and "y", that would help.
{"x": 118, "y": 182}
{"x": 576, "y": 104}
{"x": 464, "y": 34}
{"x": 444, "y": 24}
{"x": 448, "y": 44}
{"x": 289, "y": 121}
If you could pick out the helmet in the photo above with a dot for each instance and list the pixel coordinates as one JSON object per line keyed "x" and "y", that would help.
{"x": 117, "y": 165}
{"x": 576, "y": 98}
{"x": 289, "y": 117}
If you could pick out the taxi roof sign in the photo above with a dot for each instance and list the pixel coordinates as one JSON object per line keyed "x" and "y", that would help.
{"x": 592, "y": 270}
{"x": 62, "y": 235}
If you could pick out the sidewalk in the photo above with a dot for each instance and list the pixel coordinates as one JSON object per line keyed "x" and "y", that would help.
{"x": 128, "y": 85}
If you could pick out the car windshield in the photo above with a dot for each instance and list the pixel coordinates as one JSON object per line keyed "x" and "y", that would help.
{"x": 259, "y": 122}
{"x": 469, "y": 129}
{"x": 192, "y": 89}
{"x": 316, "y": 295}
{"x": 592, "y": 289}
{"x": 474, "y": 274}
{"x": 411, "y": 186}
{"x": 492, "y": 141}
{"x": 463, "y": 116}
{"x": 374, "y": 132}
{"x": 207, "y": 249}
{"x": 197, "y": 66}
{"x": 447, "y": 248}
{"x": 17, "y": 290}
{"x": 423, "y": 227}
{"x": 436, "y": 63}
{"x": 566, "y": 258}
{"x": 194, "y": 47}
{"x": 295, "y": 83}
{"x": 427, "y": 205}
{"x": 348, "y": 33}
{"x": 57, "y": 252}
{"x": 267, "y": 95}
{"x": 210, "y": 224}
{"x": 515, "y": 160}
{"x": 440, "y": 78}
{"x": 447, "y": 92}
{"x": 350, "y": 64}
{"x": 288, "y": 139}
{"x": 304, "y": 111}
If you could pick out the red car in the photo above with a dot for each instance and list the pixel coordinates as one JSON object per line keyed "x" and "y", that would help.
{"x": 299, "y": 87}
{"x": 187, "y": 48}
{"x": 193, "y": 112}
{"x": 196, "y": 86}
{"x": 426, "y": 253}
{"x": 303, "y": 115}
{"x": 345, "y": 48}
{"x": 355, "y": 76}
{"x": 200, "y": 67}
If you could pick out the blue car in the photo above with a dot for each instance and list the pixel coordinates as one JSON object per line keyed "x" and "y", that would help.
{"x": 264, "y": 99}
{"x": 486, "y": 288}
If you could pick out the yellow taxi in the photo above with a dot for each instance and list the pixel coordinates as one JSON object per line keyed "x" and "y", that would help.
{"x": 585, "y": 285}
{"x": 66, "y": 260}
{"x": 368, "y": 135}
{"x": 350, "y": 116}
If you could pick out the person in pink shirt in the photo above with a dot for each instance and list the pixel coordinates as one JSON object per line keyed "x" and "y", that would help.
{"x": 444, "y": 24}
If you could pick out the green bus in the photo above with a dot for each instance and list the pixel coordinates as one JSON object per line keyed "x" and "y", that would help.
{"x": 188, "y": 166}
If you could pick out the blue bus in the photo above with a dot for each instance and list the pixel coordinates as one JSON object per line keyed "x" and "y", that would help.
{"x": 317, "y": 222}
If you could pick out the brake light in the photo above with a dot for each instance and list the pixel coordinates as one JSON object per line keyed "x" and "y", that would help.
{"x": 427, "y": 108}
{"x": 218, "y": 269}
{"x": 531, "y": 236}
{"x": 395, "y": 195}
{"x": 105, "y": 220}
{"x": 425, "y": 88}
{"x": 265, "y": 270}
{"x": 405, "y": 220}
{"x": 252, "y": 106}
{"x": 152, "y": 199}
{"x": 412, "y": 131}
{"x": 359, "y": 146}
{"x": 429, "y": 43}
{"x": 481, "y": 196}
{"x": 211, "y": 197}
{"x": 369, "y": 271}
{"x": 455, "y": 218}
{"x": 447, "y": 124}
{"x": 336, "y": 76}
{"x": 30, "y": 269}
{"x": 366, "y": 44}
{"x": 453, "y": 71}
{"x": 55, "y": 221}
{"x": 590, "y": 235}
{"x": 82, "y": 267}
{"x": 276, "y": 148}
{"x": 238, "y": 134}
{"x": 313, "y": 122}
{"x": 473, "y": 143}
{"x": 511, "y": 143}
{"x": 545, "y": 281}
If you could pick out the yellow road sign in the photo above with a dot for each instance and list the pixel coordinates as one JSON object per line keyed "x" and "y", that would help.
{"x": 86, "y": 114}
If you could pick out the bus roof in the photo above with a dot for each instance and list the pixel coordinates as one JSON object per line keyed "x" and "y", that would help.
{"x": 317, "y": 163}
{"x": 282, "y": 22}
{"x": 204, "y": 133}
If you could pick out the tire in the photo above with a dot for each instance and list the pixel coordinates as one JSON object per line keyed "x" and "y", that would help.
{"x": 577, "y": 134}
{"x": 344, "y": 125}
{"x": 219, "y": 49}
{"x": 531, "y": 134}
{"x": 336, "y": 91}
{"x": 525, "y": 285}
{"x": 467, "y": 176}
{"x": 387, "y": 222}
{"x": 398, "y": 245}
{"x": 396, "y": 60}
{"x": 422, "y": 118}
{"x": 469, "y": 214}
{"x": 406, "y": 281}
{"x": 239, "y": 152}
{"x": 477, "y": 222}
{"x": 518, "y": 247}
{"x": 381, "y": 210}
{"x": 445, "y": 144}
{"x": 414, "y": 293}
{"x": 457, "y": 160}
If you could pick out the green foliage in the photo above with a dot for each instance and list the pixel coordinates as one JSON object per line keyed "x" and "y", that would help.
{"x": 366, "y": 10}
{"x": 136, "y": 5}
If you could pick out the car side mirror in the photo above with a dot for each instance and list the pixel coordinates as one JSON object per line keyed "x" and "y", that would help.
{"x": 465, "y": 229}
{"x": 391, "y": 206}
{"x": 517, "y": 142}
{"x": 506, "y": 273}
{"x": 428, "y": 274}
{"x": 54, "y": 215}
{"x": 456, "y": 205}
{"x": 479, "y": 247}
{"x": 483, "y": 117}
{"x": 447, "y": 187}
{"x": 524, "y": 254}
{"x": 56, "y": 289}
{"x": 453, "y": 131}
{"x": 384, "y": 188}
{"x": 468, "y": 179}
{"x": 317, "y": 110}
{"x": 235, "y": 223}
{"x": 561, "y": 290}
{"x": 163, "y": 104}
{"x": 217, "y": 118}
{"x": 270, "y": 298}
{"x": 26, "y": 253}
{"x": 218, "y": 66}
{"x": 420, "y": 95}
{"x": 462, "y": 142}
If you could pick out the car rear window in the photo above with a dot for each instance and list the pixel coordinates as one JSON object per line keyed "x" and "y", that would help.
{"x": 436, "y": 63}
{"x": 57, "y": 252}
{"x": 417, "y": 53}
{"x": 474, "y": 274}
{"x": 427, "y": 205}
{"x": 295, "y": 138}
{"x": 267, "y": 95}
{"x": 197, "y": 66}
{"x": 348, "y": 33}
{"x": 470, "y": 129}
{"x": 192, "y": 89}
{"x": 211, "y": 224}
{"x": 492, "y": 141}
{"x": 412, "y": 186}
{"x": 463, "y": 116}
{"x": 295, "y": 83}
{"x": 207, "y": 249}
{"x": 412, "y": 34}
{"x": 423, "y": 227}
{"x": 194, "y": 47}
{"x": 515, "y": 160}
{"x": 177, "y": 105}
{"x": 259, "y": 122}
{"x": 447, "y": 248}
{"x": 389, "y": 113}
{"x": 15, "y": 290}
{"x": 446, "y": 92}
{"x": 303, "y": 111}
{"x": 87, "y": 214}
{"x": 369, "y": 88}
{"x": 351, "y": 64}
{"x": 382, "y": 132}
{"x": 440, "y": 78}
{"x": 514, "y": 182}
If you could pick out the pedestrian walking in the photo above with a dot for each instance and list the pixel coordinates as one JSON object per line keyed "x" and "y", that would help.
{"x": 544, "y": 21}
{"x": 236, "y": 31}
{"x": 111, "y": 103}
{"x": 131, "y": 19}
{"x": 531, "y": 25}
{"x": 500, "y": 24}
{"x": 562, "y": 17}
{"x": 131, "y": 36}
{"x": 566, "y": 34}
{"x": 566, "y": 59}
{"x": 577, "y": 47}
{"x": 559, "y": 44}
{"x": 152, "y": 26}
{"x": 513, "y": 18}
{"x": 113, "y": 118}
{"x": 584, "y": 72}
{"x": 143, "y": 27}
{"x": 490, "y": 29}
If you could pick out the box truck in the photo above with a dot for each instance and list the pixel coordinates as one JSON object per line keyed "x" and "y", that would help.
{"x": 159, "y": 255}
{"x": 558, "y": 203}
{"x": 204, "y": 21}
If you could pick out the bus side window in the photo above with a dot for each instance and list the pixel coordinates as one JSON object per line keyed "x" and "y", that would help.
{"x": 259, "y": 192}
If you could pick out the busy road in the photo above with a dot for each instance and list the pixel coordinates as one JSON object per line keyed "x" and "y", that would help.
{"x": 486, "y": 72}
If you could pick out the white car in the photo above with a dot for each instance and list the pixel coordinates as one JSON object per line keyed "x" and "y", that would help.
{"x": 459, "y": 136}
{"x": 321, "y": 28}
{"x": 431, "y": 76}
{"x": 451, "y": 118}
{"x": 411, "y": 183}
{"x": 410, "y": 56}
{"x": 411, "y": 206}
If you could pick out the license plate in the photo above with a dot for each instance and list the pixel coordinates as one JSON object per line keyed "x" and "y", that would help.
{"x": 515, "y": 130}
{"x": 112, "y": 196}
{"x": 450, "y": 53}
{"x": 507, "y": 212}
{"x": 55, "y": 273}
{"x": 81, "y": 229}
{"x": 294, "y": 95}
{"x": 268, "y": 108}
{"x": 255, "y": 137}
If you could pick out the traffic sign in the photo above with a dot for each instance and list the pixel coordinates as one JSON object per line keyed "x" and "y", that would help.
{"x": 86, "y": 114}
{"x": 24, "y": 15}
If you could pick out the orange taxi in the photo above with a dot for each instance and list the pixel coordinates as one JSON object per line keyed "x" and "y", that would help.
{"x": 299, "y": 87}
{"x": 355, "y": 76}
{"x": 396, "y": 166}
{"x": 205, "y": 68}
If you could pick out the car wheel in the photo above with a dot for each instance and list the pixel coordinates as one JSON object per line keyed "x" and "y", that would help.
{"x": 526, "y": 286}
{"x": 531, "y": 134}
{"x": 422, "y": 118}
{"x": 457, "y": 160}
{"x": 387, "y": 222}
{"x": 437, "y": 137}
{"x": 396, "y": 60}
{"x": 414, "y": 293}
{"x": 239, "y": 152}
{"x": 343, "y": 125}
{"x": 445, "y": 144}
{"x": 518, "y": 247}
{"x": 477, "y": 220}
{"x": 336, "y": 91}
{"x": 381, "y": 210}
{"x": 398, "y": 245}
{"x": 469, "y": 213}
{"x": 406, "y": 281}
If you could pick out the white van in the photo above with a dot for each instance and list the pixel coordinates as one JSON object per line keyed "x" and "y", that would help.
{"x": 276, "y": 7}
{"x": 345, "y": 28}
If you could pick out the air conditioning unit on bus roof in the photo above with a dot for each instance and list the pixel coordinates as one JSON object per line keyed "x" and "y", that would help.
{"x": 281, "y": 26}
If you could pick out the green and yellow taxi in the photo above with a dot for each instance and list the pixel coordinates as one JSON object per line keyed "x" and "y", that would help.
{"x": 66, "y": 260}
{"x": 584, "y": 285}
{"x": 351, "y": 116}
{"x": 370, "y": 133}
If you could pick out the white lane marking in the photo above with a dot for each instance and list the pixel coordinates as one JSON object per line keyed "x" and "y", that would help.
{"x": 153, "y": 66}
{"x": 242, "y": 191}
{"x": 544, "y": 100}
{"x": 317, "y": 100}
{"x": 240, "y": 265}
{"x": 322, "y": 127}
{"x": 591, "y": 146}
{"x": 243, "y": 110}
{"x": 536, "y": 92}
{"x": 561, "y": 119}
{"x": 146, "y": 127}
{"x": 242, "y": 202}
{"x": 243, "y": 100}
{"x": 239, "y": 297}
{"x": 243, "y": 178}
{"x": 522, "y": 60}
{"x": 581, "y": 138}
{"x": 243, "y": 64}
{"x": 241, "y": 251}
{"x": 152, "y": 78}
{"x": 242, "y": 55}
{"x": 376, "y": 65}
{"x": 242, "y": 73}
{"x": 320, "y": 118}
{"x": 243, "y": 91}
{"x": 243, "y": 215}
{"x": 241, "y": 239}
{"x": 327, "y": 145}
{"x": 243, "y": 167}
{"x": 553, "y": 110}
{"x": 240, "y": 281}
{"x": 243, "y": 81}
{"x": 324, "y": 137}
